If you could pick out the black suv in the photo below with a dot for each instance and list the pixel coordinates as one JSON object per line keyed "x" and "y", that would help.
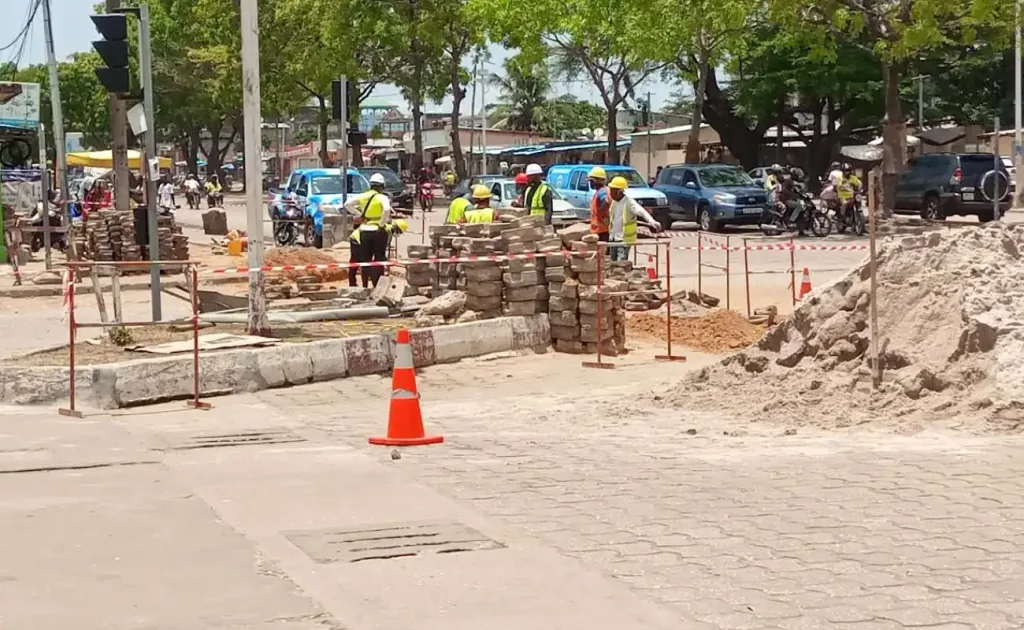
{"x": 938, "y": 185}
{"x": 401, "y": 197}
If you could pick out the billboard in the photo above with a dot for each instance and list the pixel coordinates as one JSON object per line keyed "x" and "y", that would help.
{"x": 19, "y": 105}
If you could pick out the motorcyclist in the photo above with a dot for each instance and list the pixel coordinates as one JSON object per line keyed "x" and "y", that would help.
{"x": 192, "y": 190}
{"x": 214, "y": 193}
{"x": 771, "y": 178}
{"x": 788, "y": 195}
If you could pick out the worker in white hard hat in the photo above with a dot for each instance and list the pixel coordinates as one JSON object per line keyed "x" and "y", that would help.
{"x": 625, "y": 212}
{"x": 538, "y": 197}
{"x": 374, "y": 211}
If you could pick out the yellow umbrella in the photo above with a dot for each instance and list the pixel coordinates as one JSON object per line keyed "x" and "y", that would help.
{"x": 106, "y": 159}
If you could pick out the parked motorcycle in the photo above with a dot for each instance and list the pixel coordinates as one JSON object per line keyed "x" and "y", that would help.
{"x": 850, "y": 216}
{"x": 286, "y": 226}
{"x": 57, "y": 239}
{"x": 775, "y": 219}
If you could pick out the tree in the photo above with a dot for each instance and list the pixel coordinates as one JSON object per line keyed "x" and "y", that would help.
{"x": 594, "y": 40}
{"x": 524, "y": 92}
{"x": 85, "y": 105}
{"x": 462, "y": 34}
{"x": 899, "y": 32}
{"x": 567, "y": 116}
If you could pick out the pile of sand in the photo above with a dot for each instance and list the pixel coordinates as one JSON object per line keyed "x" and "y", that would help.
{"x": 950, "y": 313}
{"x": 715, "y": 331}
{"x": 305, "y": 256}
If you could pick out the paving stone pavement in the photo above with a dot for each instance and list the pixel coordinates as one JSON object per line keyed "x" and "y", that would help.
{"x": 737, "y": 526}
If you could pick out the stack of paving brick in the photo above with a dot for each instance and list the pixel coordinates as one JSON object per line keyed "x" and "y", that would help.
{"x": 526, "y": 291}
{"x": 481, "y": 279}
{"x": 421, "y": 277}
{"x": 574, "y": 304}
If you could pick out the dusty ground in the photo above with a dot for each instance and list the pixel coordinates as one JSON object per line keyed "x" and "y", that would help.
{"x": 100, "y": 349}
{"x": 719, "y": 331}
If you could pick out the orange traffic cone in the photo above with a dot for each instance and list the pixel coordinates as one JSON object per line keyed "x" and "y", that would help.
{"x": 652, "y": 269}
{"x": 405, "y": 421}
{"x": 805, "y": 283}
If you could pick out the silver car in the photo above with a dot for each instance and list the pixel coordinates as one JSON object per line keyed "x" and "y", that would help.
{"x": 503, "y": 193}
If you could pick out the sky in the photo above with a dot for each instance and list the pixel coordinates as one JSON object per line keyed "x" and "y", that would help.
{"x": 74, "y": 32}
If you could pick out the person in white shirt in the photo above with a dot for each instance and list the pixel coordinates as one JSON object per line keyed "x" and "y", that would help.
{"x": 625, "y": 212}
{"x": 193, "y": 191}
{"x": 165, "y": 195}
{"x": 374, "y": 209}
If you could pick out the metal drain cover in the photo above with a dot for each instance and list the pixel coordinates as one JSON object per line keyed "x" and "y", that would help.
{"x": 245, "y": 438}
{"x": 390, "y": 541}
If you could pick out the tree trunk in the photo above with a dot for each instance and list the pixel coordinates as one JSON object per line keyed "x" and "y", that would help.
{"x": 613, "y": 136}
{"x": 322, "y": 121}
{"x": 417, "y": 134}
{"x": 693, "y": 141}
{"x": 894, "y": 138}
{"x": 192, "y": 157}
{"x": 743, "y": 142}
{"x": 213, "y": 156}
{"x": 458, "y": 95}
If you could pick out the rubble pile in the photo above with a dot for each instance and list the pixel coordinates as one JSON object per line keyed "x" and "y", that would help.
{"x": 951, "y": 346}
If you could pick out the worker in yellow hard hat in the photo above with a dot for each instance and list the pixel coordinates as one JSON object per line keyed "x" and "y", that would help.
{"x": 599, "y": 204}
{"x": 625, "y": 212}
{"x": 457, "y": 209}
{"x": 481, "y": 212}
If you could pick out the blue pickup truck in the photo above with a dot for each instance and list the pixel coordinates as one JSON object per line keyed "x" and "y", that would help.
{"x": 314, "y": 192}
{"x": 713, "y": 195}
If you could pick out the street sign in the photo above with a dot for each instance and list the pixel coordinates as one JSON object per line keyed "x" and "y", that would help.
{"x": 19, "y": 105}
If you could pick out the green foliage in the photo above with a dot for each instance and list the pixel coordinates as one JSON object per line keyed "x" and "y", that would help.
{"x": 85, "y": 105}
{"x": 565, "y": 116}
{"x": 303, "y": 136}
{"x": 523, "y": 90}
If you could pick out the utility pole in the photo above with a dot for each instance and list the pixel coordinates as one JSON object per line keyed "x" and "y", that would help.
{"x": 343, "y": 121}
{"x": 1018, "y": 149}
{"x": 257, "y": 324}
{"x": 60, "y": 148}
{"x": 483, "y": 124}
{"x": 44, "y": 181}
{"x": 146, "y": 69}
{"x": 119, "y": 140}
{"x": 472, "y": 117}
{"x": 648, "y": 121}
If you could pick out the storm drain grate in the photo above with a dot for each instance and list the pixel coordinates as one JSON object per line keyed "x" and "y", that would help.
{"x": 394, "y": 541}
{"x": 247, "y": 438}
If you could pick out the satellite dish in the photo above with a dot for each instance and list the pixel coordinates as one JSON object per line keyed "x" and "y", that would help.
{"x": 585, "y": 131}
{"x": 598, "y": 132}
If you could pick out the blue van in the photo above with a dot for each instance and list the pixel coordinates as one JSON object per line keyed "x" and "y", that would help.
{"x": 571, "y": 181}
{"x": 315, "y": 191}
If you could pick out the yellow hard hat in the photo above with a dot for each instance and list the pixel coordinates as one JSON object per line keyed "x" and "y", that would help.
{"x": 598, "y": 173}
{"x": 618, "y": 182}
{"x": 481, "y": 192}
{"x": 402, "y": 225}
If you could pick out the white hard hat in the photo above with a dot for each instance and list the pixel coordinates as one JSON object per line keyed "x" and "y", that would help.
{"x": 534, "y": 169}
{"x": 377, "y": 178}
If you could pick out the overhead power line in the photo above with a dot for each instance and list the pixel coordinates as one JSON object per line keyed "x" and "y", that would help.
{"x": 20, "y": 37}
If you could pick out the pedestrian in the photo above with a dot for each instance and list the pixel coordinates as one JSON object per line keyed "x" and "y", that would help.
{"x": 374, "y": 209}
{"x": 165, "y": 195}
{"x": 538, "y": 196}
{"x": 600, "y": 221}
{"x": 625, "y": 212}
{"x": 481, "y": 211}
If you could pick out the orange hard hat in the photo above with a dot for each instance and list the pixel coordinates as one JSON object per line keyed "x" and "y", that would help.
{"x": 522, "y": 179}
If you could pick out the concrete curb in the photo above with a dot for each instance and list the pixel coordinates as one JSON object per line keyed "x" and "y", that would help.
{"x": 55, "y": 290}
{"x": 130, "y": 383}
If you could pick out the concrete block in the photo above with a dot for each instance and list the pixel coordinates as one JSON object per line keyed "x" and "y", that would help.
{"x": 368, "y": 355}
{"x": 522, "y": 294}
{"x": 472, "y": 339}
{"x": 422, "y": 276}
{"x": 215, "y": 222}
{"x": 560, "y": 259}
{"x": 549, "y": 245}
{"x": 422, "y": 342}
{"x": 583, "y": 265}
{"x": 589, "y": 307}
{"x": 567, "y": 333}
{"x": 27, "y": 386}
{"x": 563, "y": 318}
{"x": 490, "y": 273}
{"x": 393, "y": 292}
{"x": 443, "y": 230}
{"x": 608, "y": 348}
{"x": 556, "y": 274}
{"x": 587, "y": 278}
{"x": 526, "y": 278}
{"x": 328, "y": 359}
{"x": 483, "y": 303}
{"x": 588, "y": 334}
{"x": 521, "y": 265}
{"x": 570, "y": 289}
{"x": 530, "y": 220}
{"x": 568, "y": 346}
{"x": 574, "y": 232}
{"x": 555, "y": 288}
{"x": 523, "y": 234}
{"x": 519, "y": 247}
{"x": 418, "y": 251}
{"x": 513, "y": 309}
{"x": 286, "y": 364}
{"x": 558, "y": 303}
{"x": 586, "y": 292}
{"x": 484, "y": 289}
{"x": 532, "y": 331}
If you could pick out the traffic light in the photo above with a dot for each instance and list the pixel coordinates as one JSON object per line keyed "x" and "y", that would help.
{"x": 113, "y": 50}
{"x": 337, "y": 99}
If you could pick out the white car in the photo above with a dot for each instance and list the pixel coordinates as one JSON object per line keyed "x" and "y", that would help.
{"x": 503, "y": 193}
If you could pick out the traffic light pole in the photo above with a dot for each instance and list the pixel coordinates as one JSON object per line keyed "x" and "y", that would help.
{"x": 257, "y": 319}
{"x": 119, "y": 142}
{"x": 146, "y": 68}
{"x": 59, "y": 147}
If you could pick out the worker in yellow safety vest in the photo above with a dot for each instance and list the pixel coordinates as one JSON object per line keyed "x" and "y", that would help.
{"x": 456, "y": 210}
{"x": 625, "y": 212}
{"x": 374, "y": 209}
{"x": 481, "y": 212}
{"x": 356, "y": 254}
{"x": 538, "y": 196}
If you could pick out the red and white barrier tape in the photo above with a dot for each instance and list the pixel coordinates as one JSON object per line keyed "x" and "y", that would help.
{"x": 779, "y": 247}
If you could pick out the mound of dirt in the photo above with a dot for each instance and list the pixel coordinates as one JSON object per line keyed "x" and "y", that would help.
{"x": 950, "y": 317}
{"x": 714, "y": 332}
{"x": 305, "y": 256}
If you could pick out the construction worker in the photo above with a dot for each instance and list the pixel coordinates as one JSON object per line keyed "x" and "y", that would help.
{"x": 374, "y": 209}
{"x": 357, "y": 255}
{"x": 624, "y": 212}
{"x": 538, "y": 197}
{"x": 457, "y": 209}
{"x": 481, "y": 212}
{"x": 600, "y": 221}
{"x": 521, "y": 183}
